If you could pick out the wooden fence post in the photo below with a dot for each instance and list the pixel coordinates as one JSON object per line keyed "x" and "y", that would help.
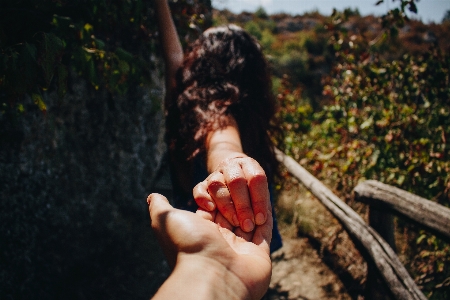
{"x": 383, "y": 223}
{"x": 387, "y": 262}
{"x": 384, "y": 200}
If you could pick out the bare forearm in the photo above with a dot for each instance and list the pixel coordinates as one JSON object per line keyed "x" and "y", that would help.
{"x": 170, "y": 43}
{"x": 223, "y": 144}
{"x": 168, "y": 34}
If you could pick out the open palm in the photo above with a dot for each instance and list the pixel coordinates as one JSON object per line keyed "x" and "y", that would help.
{"x": 197, "y": 237}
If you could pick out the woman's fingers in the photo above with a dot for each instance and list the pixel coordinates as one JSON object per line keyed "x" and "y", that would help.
{"x": 220, "y": 194}
{"x": 241, "y": 199}
{"x": 212, "y": 193}
{"x": 258, "y": 189}
{"x": 239, "y": 190}
{"x": 223, "y": 222}
{"x": 249, "y": 190}
{"x": 202, "y": 196}
{"x": 237, "y": 185}
{"x": 247, "y": 236}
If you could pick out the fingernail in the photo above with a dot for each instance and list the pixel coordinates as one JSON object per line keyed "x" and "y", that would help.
{"x": 149, "y": 199}
{"x": 247, "y": 225}
{"x": 235, "y": 220}
{"x": 209, "y": 205}
{"x": 260, "y": 219}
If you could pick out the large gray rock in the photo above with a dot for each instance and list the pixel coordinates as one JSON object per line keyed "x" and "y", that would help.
{"x": 73, "y": 184}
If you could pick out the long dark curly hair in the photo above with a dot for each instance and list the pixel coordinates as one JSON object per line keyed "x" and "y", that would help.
{"x": 224, "y": 72}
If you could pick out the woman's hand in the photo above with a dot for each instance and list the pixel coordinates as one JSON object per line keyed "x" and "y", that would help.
{"x": 210, "y": 262}
{"x": 238, "y": 188}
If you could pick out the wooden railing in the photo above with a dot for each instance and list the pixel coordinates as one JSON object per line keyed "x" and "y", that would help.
{"x": 382, "y": 257}
{"x": 384, "y": 201}
{"x": 385, "y": 198}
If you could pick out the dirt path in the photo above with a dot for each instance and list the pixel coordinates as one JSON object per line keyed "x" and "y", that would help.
{"x": 299, "y": 273}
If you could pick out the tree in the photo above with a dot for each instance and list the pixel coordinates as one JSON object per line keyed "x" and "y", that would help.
{"x": 261, "y": 13}
{"x": 446, "y": 17}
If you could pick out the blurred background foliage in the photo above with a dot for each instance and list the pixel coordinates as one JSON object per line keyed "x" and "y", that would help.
{"x": 385, "y": 116}
{"x": 367, "y": 98}
{"x": 109, "y": 43}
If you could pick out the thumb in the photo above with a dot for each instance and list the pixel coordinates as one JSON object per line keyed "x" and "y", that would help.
{"x": 160, "y": 209}
{"x": 158, "y": 205}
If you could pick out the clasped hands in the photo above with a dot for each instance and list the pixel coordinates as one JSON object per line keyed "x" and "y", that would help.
{"x": 238, "y": 189}
{"x": 222, "y": 250}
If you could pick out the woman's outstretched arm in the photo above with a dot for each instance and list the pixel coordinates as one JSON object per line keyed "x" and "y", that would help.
{"x": 237, "y": 184}
{"x": 170, "y": 42}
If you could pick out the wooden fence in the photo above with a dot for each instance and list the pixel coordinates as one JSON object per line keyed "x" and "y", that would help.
{"x": 376, "y": 238}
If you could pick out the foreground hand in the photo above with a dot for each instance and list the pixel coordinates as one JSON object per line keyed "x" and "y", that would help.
{"x": 238, "y": 188}
{"x": 193, "y": 244}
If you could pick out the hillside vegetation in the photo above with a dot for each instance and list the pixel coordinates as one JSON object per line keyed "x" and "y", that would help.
{"x": 362, "y": 98}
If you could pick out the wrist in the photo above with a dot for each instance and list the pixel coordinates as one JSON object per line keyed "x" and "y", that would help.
{"x": 215, "y": 279}
{"x": 217, "y": 161}
{"x": 199, "y": 277}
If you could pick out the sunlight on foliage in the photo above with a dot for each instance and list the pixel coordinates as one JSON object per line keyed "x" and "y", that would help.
{"x": 385, "y": 120}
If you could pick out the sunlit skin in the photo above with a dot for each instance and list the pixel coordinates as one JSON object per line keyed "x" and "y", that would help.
{"x": 208, "y": 260}
{"x": 237, "y": 184}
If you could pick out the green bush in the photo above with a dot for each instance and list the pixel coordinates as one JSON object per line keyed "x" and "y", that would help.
{"x": 389, "y": 121}
{"x": 386, "y": 119}
{"x": 254, "y": 29}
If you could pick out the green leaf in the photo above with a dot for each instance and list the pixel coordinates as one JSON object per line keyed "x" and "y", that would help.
{"x": 421, "y": 238}
{"x": 50, "y": 51}
{"x": 123, "y": 54}
{"x": 31, "y": 52}
{"x": 401, "y": 179}
{"x": 124, "y": 67}
{"x": 374, "y": 158}
{"x": 378, "y": 70}
{"x": 100, "y": 44}
{"x": 37, "y": 98}
{"x": 367, "y": 123}
{"x": 20, "y": 108}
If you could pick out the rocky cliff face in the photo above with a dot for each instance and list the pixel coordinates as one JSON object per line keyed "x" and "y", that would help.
{"x": 73, "y": 185}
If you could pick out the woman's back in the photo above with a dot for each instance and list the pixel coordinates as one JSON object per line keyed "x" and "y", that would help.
{"x": 224, "y": 73}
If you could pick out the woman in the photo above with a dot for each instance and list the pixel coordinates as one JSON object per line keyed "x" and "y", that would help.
{"x": 219, "y": 114}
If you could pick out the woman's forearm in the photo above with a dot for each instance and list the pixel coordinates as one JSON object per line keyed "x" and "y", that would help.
{"x": 223, "y": 144}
